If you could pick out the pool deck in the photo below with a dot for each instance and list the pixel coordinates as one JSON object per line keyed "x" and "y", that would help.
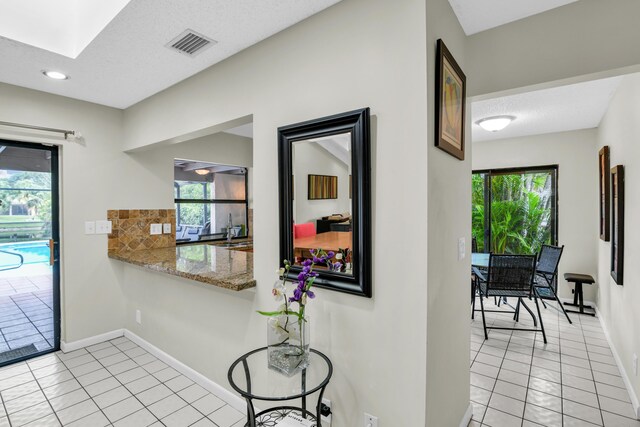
{"x": 26, "y": 308}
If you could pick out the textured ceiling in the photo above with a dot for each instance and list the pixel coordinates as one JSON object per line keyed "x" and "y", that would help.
{"x": 480, "y": 15}
{"x": 128, "y": 61}
{"x": 563, "y": 108}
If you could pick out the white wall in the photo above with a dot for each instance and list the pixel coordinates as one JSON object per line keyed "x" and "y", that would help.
{"x": 574, "y": 153}
{"x": 310, "y": 158}
{"x": 581, "y": 38}
{"x": 378, "y": 345}
{"x": 618, "y": 305}
{"x": 448, "y": 219}
{"x": 95, "y": 176}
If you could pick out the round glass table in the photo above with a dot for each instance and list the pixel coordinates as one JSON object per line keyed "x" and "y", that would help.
{"x": 251, "y": 376}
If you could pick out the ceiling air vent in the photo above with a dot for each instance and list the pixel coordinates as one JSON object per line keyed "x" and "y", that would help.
{"x": 190, "y": 43}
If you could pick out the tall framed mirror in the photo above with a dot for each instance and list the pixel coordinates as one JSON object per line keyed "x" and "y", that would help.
{"x": 325, "y": 197}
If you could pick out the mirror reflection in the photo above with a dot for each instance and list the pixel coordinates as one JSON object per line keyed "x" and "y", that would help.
{"x": 322, "y": 199}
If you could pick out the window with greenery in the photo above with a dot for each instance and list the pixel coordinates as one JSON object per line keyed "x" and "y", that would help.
{"x": 25, "y": 205}
{"x": 514, "y": 211}
{"x": 206, "y": 203}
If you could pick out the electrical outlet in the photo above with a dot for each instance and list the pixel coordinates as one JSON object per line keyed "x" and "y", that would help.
{"x": 326, "y": 409}
{"x": 635, "y": 364}
{"x": 166, "y": 228}
{"x": 156, "y": 229}
{"x": 103, "y": 227}
{"x": 461, "y": 249}
{"x": 90, "y": 227}
{"x": 138, "y": 317}
{"x": 370, "y": 420}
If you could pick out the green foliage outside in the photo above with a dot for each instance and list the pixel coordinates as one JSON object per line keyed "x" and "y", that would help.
{"x": 193, "y": 213}
{"x": 520, "y": 212}
{"x": 31, "y": 190}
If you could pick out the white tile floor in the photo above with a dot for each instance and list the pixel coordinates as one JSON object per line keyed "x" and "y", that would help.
{"x": 115, "y": 383}
{"x": 573, "y": 380}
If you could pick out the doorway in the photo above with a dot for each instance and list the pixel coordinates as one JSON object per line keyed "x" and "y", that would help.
{"x": 29, "y": 251}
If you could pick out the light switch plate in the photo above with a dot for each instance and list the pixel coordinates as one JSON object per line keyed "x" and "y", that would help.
{"x": 462, "y": 250}
{"x": 156, "y": 229}
{"x": 166, "y": 228}
{"x": 90, "y": 227}
{"x": 103, "y": 227}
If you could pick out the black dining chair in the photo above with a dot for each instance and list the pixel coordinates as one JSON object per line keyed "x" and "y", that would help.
{"x": 509, "y": 276}
{"x": 546, "y": 280}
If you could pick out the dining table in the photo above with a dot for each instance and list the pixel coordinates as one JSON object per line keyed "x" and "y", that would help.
{"x": 479, "y": 259}
{"x": 329, "y": 241}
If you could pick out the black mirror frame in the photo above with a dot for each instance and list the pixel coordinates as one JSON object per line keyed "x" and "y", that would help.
{"x": 358, "y": 123}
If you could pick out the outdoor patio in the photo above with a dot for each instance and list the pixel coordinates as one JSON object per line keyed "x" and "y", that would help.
{"x": 26, "y": 309}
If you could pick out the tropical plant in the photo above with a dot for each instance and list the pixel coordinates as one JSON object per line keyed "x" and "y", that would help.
{"x": 520, "y": 212}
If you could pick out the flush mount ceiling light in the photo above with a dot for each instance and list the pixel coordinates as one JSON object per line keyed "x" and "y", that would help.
{"x": 495, "y": 123}
{"x": 202, "y": 171}
{"x": 56, "y": 75}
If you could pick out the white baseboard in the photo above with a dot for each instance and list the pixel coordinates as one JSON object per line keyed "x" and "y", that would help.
{"x": 467, "y": 416}
{"x": 235, "y": 401}
{"x": 67, "y": 347}
{"x": 623, "y": 372}
{"x": 232, "y": 399}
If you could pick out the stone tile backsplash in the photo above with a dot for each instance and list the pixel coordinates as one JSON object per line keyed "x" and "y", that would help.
{"x": 130, "y": 229}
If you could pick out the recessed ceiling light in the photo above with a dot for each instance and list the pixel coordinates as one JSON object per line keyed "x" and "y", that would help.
{"x": 495, "y": 123}
{"x": 202, "y": 171}
{"x": 56, "y": 75}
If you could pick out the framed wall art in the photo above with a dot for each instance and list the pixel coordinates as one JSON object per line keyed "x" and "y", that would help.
{"x": 323, "y": 187}
{"x": 603, "y": 177}
{"x": 617, "y": 223}
{"x": 450, "y": 103}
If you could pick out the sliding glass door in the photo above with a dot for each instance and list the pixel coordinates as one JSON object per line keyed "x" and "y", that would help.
{"x": 29, "y": 272}
{"x": 515, "y": 211}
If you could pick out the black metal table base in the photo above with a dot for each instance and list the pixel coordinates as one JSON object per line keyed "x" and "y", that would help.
{"x": 271, "y": 417}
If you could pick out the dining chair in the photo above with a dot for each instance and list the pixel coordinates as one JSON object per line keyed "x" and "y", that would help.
{"x": 509, "y": 276}
{"x": 546, "y": 279}
{"x": 304, "y": 230}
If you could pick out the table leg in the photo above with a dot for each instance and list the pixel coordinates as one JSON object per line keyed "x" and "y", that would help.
{"x": 578, "y": 301}
{"x": 319, "y": 408}
{"x": 251, "y": 414}
{"x": 579, "y": 292}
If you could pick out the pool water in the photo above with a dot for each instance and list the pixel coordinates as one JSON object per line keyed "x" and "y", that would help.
{"x": 32, "y": 252}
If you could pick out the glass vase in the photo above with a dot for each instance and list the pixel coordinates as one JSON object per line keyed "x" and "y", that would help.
{"x": 288, "y": 343}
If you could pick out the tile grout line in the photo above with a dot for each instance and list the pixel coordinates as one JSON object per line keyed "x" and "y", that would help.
{"x": 45, "y": 396}
{"x": 101, "y": 410}
{"x": 148, "y": 373}
{"x": 592, "y": 376}
{"x": 31, "y": 322}
{"x": 75, "y": 377}
{"x": 526, "y": 394}
{"x": 499, "y": 369}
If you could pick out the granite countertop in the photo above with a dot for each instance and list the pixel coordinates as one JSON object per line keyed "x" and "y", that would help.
{"x": 206, "y": 263}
